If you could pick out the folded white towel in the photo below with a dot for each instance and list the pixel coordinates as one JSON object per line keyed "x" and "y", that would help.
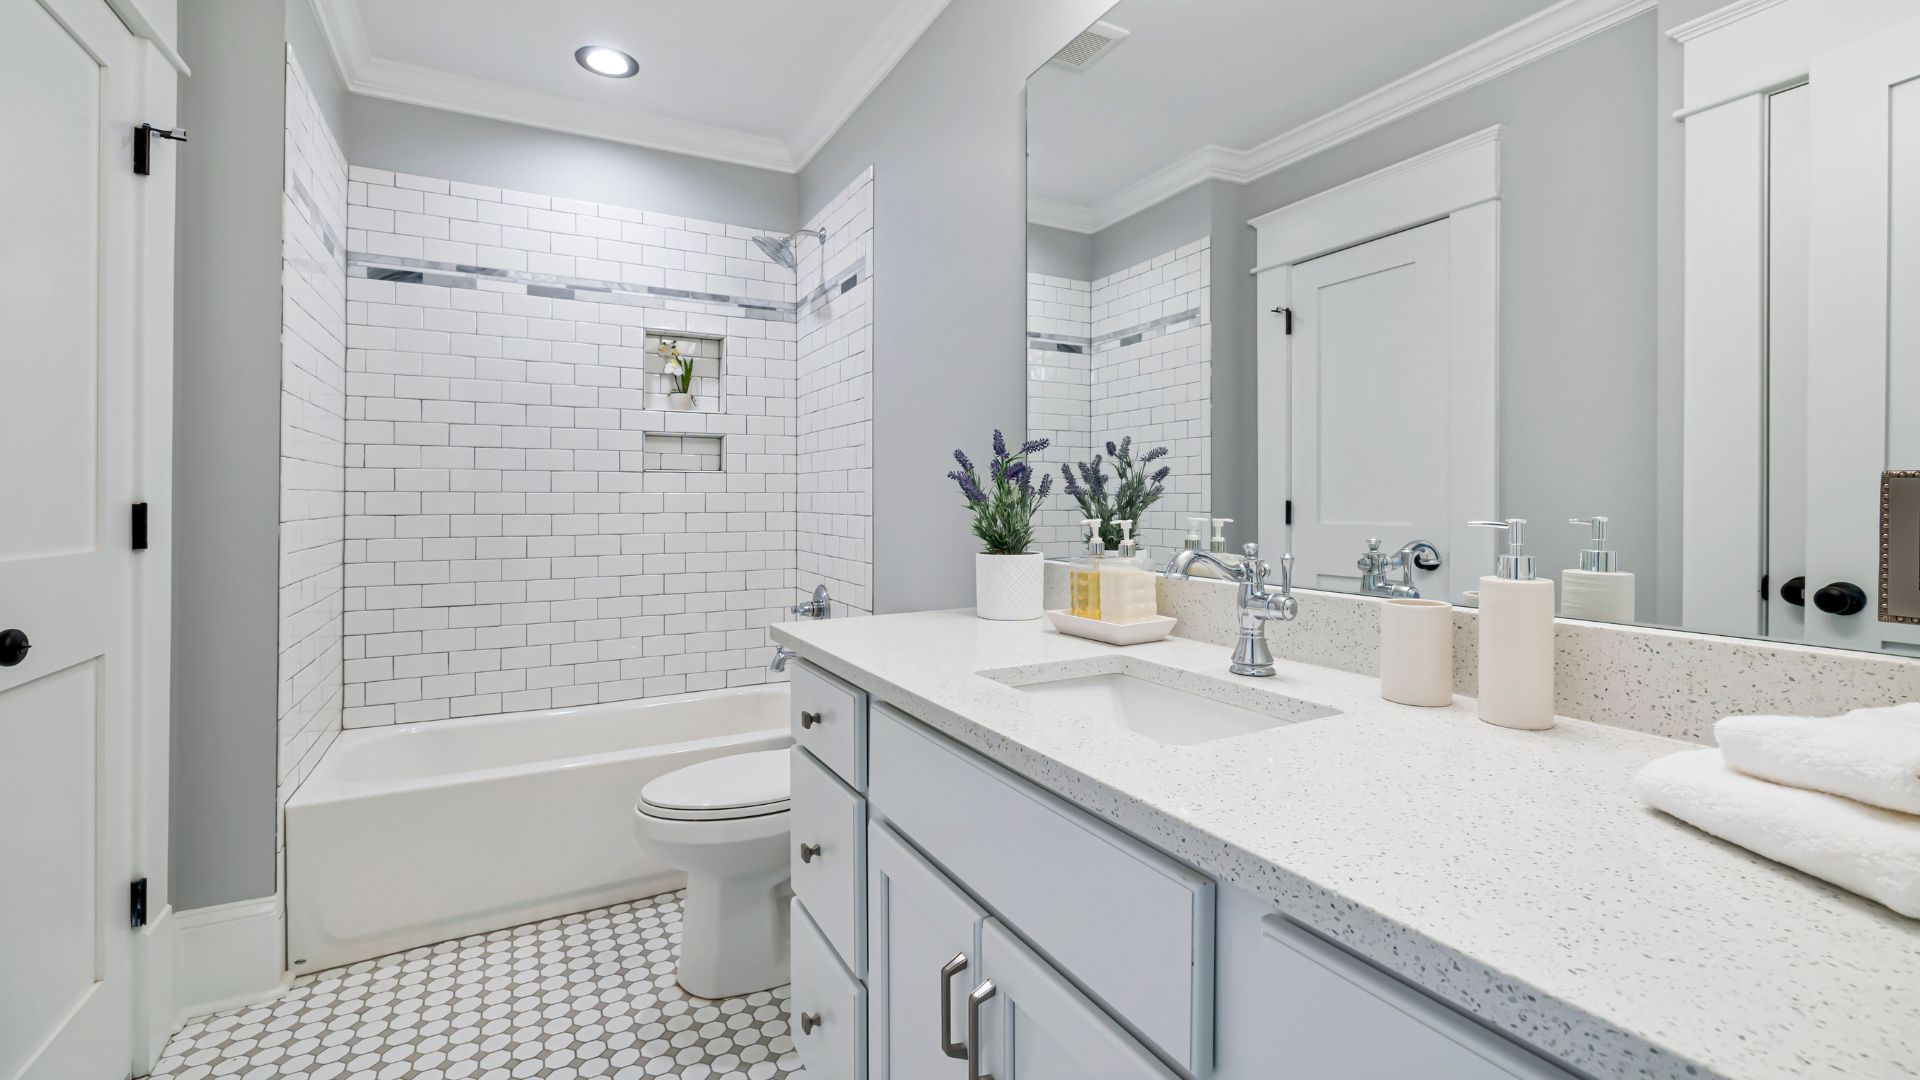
{"x": 1870, "y": 755}
{"x": 1860, "y": 848}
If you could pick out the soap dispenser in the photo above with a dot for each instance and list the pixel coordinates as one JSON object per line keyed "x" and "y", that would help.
{"x": 1516, "y": 637}
{"x": 1083, "y": 579}
{"x": 1218, "y": 545}
{"x": 1196, "y": 528}
{"x": 1126, "y": 586}
{"x": 1599, "y": 590}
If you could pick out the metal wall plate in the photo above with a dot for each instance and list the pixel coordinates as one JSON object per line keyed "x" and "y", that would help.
{"x": 1900, "y": 547}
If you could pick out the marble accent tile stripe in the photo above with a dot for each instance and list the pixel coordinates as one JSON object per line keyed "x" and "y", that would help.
{"x": 1160, "y": 327}
{"x": 843, "y": 282}
{"x": 328, "y": 238}
{"x": 1053, "y": 343}
{"x": 463, "y": 276}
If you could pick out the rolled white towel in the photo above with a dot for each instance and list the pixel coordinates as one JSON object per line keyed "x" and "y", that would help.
{"x": 1869, "y": 755}
{"x": 1860, "y": 848}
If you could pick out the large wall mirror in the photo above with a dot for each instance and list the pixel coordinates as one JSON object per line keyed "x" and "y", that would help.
{"x": 1645, "y": 273}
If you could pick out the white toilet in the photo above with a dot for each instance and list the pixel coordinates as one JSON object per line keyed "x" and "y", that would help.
{"x": 724, "y": 822}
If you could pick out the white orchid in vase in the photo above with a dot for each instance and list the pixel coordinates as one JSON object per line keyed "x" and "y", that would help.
{"x": 679, "y": 371}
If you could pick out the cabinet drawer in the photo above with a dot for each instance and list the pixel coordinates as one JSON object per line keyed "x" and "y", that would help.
{"x": 1337, "y": 1015}
{"x": 829, "y": 857}
{"x": 829, "y": 1006}
{"x": 1132, "y": 927}
{"x": 830, "y": 720}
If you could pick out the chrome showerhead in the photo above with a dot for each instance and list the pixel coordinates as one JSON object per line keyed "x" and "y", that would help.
{"x": 780, "y": 248}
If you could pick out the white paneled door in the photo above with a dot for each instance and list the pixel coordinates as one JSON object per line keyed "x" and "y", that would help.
{"x": 1863, "y": 384}
{"x": 1036, "y": 1026}
{"x": 1369, "y": 417}
{"x": 66, "y": 450}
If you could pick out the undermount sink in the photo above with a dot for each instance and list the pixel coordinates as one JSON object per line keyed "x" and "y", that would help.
{"x": 1166, "y": 713}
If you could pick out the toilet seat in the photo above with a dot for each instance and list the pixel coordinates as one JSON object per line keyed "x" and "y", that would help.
{"x": 729, "y": 788}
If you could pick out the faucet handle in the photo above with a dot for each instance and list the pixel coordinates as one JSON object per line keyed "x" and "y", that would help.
{"x": 1251, "y": 551}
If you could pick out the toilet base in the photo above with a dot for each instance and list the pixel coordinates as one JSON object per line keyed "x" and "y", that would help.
{"x": 734, "y": 933}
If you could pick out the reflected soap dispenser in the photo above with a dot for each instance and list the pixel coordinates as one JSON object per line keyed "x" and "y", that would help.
{"x": 1218, "y": 545}
{"x": 1516, "y": 637}
{"x": 1599, "y": 590}
{"x": 1083, "y": 579}
{"x": 1196, "y": 528}
{"x": 1126, "y": 585}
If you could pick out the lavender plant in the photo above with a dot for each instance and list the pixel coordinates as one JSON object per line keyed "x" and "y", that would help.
{"x": 1003, "y": 509}
{"x": 1128, "y": 496}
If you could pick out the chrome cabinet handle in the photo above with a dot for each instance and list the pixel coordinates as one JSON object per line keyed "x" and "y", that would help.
{"x": 808, "y": 719}
{"x": 808, "y": 852}
{"x": 979, "y": 997}
{"x": 809, "y": 1021}
{"x": 956, "y": 1050}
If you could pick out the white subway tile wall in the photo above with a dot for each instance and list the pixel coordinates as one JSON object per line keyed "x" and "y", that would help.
{"x": 1129, "y": 354}
{"x": 836, "y": 399}
{"x": 1059, "y": 397}
{"x": 313, "y": 409}
{"x": 508, "y": 547}
{"x": 1152, "y": 375}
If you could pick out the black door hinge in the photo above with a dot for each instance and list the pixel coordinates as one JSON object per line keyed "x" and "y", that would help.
{"x": 1289, "y": 511}
{"x": 139, "y": 526}
{"x": 1288, "y": 312}
{"x": 1764, "y": 593}
{"x": 137, "y": 904}
{"x": 143, "y": 137}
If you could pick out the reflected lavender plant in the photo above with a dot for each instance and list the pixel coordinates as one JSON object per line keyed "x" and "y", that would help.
{"x": 1133, "y": 490}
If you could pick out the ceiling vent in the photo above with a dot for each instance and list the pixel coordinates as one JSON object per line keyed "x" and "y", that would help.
{"x": 1093, "y": 43}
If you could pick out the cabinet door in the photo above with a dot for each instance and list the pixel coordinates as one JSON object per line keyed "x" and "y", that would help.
{"x": 922, "y": 942}
{"x": 1036, "y": 1026}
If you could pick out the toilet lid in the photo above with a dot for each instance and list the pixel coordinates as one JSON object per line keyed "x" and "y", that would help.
{"x": 735, "y": 786}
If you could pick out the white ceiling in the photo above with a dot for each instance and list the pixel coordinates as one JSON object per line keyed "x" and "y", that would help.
{"x": 1232, "y": 88}
{"x": 756, "y": 82}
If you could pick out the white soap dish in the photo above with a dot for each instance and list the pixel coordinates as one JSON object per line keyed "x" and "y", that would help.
{"x": 1134, "y": 633}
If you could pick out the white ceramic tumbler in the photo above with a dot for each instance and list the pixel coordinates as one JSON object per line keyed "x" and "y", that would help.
{"x": 1416, "y": 652}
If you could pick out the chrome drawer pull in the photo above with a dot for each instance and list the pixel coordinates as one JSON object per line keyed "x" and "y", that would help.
{"x": 955, "y": 966}
{"x": 976, "y": 999}
{"x": 809, "y": 1021}
{"x": 808, "y": 719}
{"x": 808, "y": 852}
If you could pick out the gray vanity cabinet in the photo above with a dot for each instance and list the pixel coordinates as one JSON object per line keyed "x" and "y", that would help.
{"x": 922, "y": 960}
{"x": 1036, "y": 1026}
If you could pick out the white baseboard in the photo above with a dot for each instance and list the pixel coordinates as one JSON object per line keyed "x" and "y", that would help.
{"x": 154, "y": 1018}
{"x": 226, "y": 956}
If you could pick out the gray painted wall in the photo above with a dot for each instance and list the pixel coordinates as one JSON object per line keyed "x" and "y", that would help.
{"x": 1236, "y": 490}
{"x": 1059, "y": 252}
{"x": 1578, "y": 374}
{"x": 226, "y": 465}
{"x": 309, "y": 44}
{"x": 429, "y": 142}
{"x": 1162, "y": 227}
{"x": 945, "y": 133}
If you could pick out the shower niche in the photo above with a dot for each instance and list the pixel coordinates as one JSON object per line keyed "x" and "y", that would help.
{"x": 706, "y": 354}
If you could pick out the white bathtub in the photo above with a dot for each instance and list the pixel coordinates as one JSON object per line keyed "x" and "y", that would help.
{"x": 409, "y": 835}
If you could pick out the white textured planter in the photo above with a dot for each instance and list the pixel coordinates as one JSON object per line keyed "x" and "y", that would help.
{"x": 681, "y": 402}
{"x": 1008, "y": 588}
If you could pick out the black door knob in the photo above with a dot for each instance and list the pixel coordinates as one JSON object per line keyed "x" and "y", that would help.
{"x": 13, "y": 647}
{"x": 1841, "y": 598}
{"x": 1795, "y": 591}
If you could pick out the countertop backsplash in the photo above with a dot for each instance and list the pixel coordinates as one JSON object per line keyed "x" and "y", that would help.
{"x": 1660, "y": 682}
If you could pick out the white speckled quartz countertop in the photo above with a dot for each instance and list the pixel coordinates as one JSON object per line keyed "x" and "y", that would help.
{"x": 1513, "y": 873}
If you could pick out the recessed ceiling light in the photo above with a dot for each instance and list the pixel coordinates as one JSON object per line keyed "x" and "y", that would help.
{"x": 610, "y": 62}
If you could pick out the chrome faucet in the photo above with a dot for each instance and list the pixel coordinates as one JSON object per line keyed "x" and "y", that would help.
{"x": 820, "y": 607}
{"x": 1256, "y": 605}
{"x": 781, "y": 654}
{"x": 1375, "y": 565}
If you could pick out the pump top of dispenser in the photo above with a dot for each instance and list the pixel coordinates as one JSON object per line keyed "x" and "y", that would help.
{"x": 1126, "y": 537}
{"x": 1096, "y": 547}
{"x": 1597, "y": 556}
{"x": 1196, "y": 528}
{"x": 1218, "y": 544}
{"x": 1515, "y": 564}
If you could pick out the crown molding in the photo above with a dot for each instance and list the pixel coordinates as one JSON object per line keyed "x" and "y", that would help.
{"x": 1720, "y": 19}
{"x": 1515, "y": 46}
{"x": 363, "y": 73}
{"x": 1056, "y": 214}
{"x": 902, "y": 27}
